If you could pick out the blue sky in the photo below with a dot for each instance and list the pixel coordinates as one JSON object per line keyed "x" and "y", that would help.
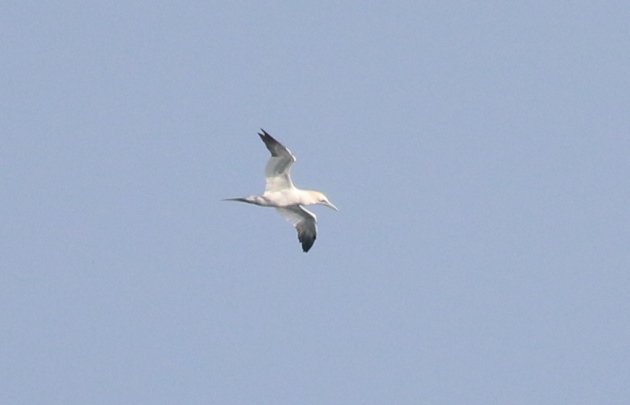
{"x": 478, "y": 151}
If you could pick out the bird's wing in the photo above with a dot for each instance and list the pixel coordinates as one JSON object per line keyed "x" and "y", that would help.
{"x": 278, "y": 170}
{"x": 304, "y": 221}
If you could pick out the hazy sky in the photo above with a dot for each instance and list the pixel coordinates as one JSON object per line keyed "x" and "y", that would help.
{"x": 479, "y": 153}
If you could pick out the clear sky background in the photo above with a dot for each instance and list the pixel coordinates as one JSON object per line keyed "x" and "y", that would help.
{"x": 479, "y": 153}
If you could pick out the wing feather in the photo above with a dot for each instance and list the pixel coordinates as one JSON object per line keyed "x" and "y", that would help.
{"x": 278, "y": 169}
{"x": 304, "y": 221}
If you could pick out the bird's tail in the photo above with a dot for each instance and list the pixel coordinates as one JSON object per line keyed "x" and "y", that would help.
{"x": 252, "y": 199}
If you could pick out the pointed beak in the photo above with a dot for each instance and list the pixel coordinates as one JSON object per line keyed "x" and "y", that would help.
{"x": 330, "y": 205}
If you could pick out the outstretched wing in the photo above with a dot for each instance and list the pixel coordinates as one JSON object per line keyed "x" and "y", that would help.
{"x": 278, "y": 170}
{"x": 304, "y": 221}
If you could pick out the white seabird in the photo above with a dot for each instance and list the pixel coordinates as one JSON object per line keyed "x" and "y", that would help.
{"x": 287, "y": 199}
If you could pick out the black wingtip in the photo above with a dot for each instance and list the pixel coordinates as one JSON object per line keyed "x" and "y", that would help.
{"x": 307, "y": 243}
{"x": 264, "y": 136}
{"x": 269, "y": 141}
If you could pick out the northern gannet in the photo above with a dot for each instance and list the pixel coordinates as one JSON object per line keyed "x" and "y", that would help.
{"x": 287, "y": 199}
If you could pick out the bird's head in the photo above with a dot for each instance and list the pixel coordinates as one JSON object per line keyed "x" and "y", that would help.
{"x": 321, "y": 199}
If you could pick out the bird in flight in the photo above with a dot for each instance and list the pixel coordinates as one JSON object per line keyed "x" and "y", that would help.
{"x": 287, "y": 199}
